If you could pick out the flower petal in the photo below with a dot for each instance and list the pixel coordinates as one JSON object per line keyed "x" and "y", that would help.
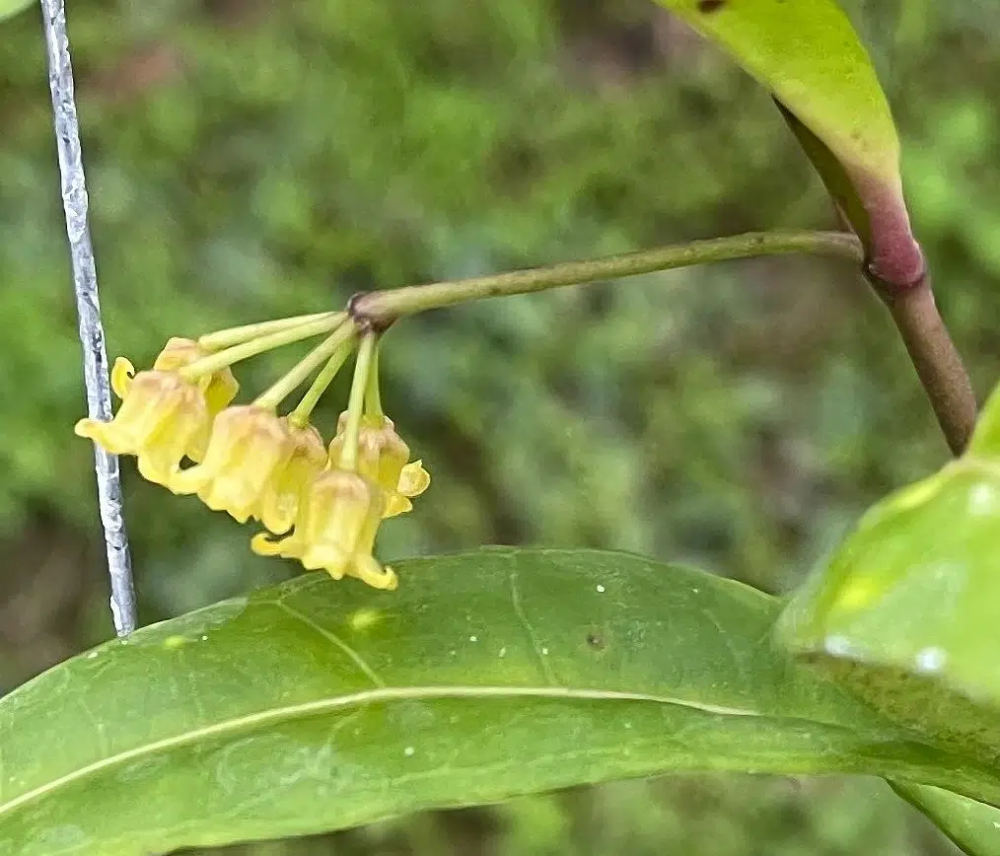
{"x": 121, "y": 377}
{"x": 414, "y": 479}
{"x": 263, "y": 545}
{"x": 396, "y": 505}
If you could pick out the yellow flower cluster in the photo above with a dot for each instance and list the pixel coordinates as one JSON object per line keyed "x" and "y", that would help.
{"x": 327, "y": 503}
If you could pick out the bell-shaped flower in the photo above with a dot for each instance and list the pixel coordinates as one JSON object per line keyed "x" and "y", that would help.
{"x": 249, "y": 446}
{"x": 336, "y": 530}
{"x": 218, "y": 388}
{"x": 160, "y": 419}
{"x": 382, "y": 458}
{"x": 285, "y": 494}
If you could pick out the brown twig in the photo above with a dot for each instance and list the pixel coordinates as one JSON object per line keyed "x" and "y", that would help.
{"x": 936, "y": 359}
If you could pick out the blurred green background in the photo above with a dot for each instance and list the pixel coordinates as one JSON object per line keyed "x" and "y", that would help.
{"x": 250, "y": 159}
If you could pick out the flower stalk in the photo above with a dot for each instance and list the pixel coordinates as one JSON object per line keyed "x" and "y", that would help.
{"x": 937, "y": 362}
{"x": 222, "y": 339}
{"x": 285, "y": 386}
{"x": 237, "y": 353}
{"x": 300, "y": 415}
{"x": 355, "y": 403}
{"x": 378, "y": 309}
{"x": 373, "y": 394}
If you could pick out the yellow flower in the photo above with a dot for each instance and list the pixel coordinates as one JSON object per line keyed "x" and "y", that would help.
{"x": 161, "y": 417}
{"x": 382, "y": 458}
{"x": 219, "y": 388}
{"x": 280, "y": 503}
{"x": 248, "y": 448}
{"x": 413, "y": 481}
{"x": 336, "y": 530}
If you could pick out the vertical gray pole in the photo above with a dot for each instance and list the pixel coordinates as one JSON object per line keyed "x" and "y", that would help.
{"x": 95, "y": 358}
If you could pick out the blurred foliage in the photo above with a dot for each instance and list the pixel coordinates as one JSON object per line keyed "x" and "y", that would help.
{"x": 249, "y": 159}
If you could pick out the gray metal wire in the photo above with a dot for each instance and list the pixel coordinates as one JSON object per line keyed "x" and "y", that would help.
{"x": 95, "y": 357}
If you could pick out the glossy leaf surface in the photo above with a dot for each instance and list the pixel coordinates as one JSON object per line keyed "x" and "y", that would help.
{"x": 320, "y": 705}
{"x": 907, "y": 610}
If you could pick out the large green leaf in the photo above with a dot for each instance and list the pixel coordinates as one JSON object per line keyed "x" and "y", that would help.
{"x": 321, "y": 705}
{"x": 809, "y": 56}
{"x": 905, "y": 615}
{"x": 907, "y": 610}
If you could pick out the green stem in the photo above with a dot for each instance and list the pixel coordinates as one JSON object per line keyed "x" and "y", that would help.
{"x": 238, "y": 335}
{"x": 381, "y": 308}
{"x": 229, "y": 356}
{"x": 300, "y": 416}
{"x": 355, "y": 404}
{"x": 284, "y": 387}
{"x": 938, "y": 363}
{"x": 373, "y": 395}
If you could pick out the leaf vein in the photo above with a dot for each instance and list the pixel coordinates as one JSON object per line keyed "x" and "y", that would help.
{"x": 251, "y": 721}
{"x": 330, "y": 636}
{"x": 533, "y": 641}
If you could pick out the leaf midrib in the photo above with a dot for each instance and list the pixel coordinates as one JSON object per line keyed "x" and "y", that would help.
{"x": 238, "y": 724}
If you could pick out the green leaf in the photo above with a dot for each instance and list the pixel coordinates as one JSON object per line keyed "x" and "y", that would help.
{"x": 810, "y": 58}
{"x": 8, "y": 8}
{"x": 973, "y": 826}
{"x": 985, "y": 441}
{"x": 905, "y": 615}
{"x": 320, "y": 705}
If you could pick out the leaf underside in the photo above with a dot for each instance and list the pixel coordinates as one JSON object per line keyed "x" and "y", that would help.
{"x": 808, "y": 55}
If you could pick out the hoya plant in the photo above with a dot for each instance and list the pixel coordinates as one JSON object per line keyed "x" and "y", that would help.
{"x": 358, "y": 691}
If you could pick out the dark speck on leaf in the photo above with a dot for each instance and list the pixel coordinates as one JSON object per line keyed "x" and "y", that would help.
{"x": 595, "y": 641}
{"x": 708, "y": 6}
